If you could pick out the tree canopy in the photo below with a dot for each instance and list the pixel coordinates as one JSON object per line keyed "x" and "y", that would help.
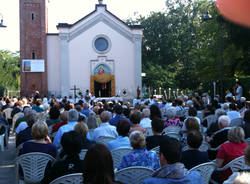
{"x": 182, "y": 50}
{"x": 9, "y": 71}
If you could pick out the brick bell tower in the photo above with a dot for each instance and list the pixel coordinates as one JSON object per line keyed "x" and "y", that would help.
{"x": 33, "y": 45}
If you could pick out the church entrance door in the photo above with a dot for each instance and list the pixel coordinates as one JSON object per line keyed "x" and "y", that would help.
{"x": 102, "y": 89}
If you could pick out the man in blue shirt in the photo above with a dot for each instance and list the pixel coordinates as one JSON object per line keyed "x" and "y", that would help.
{"x": 118, "y": 115}
{"x": 122, "y": 141}
{"x": 72, "y": 121}
{"x": 172, "y": 171}
{"x": 86, "y": 110}
{"x": 105, "y": 129}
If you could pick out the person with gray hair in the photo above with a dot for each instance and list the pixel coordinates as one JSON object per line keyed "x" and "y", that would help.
{"x": 105, "y": 129}
{"x": 140, "y": 156}
{"x": 23, "y": 124}
{"x": 219, "y": 112}
{"x": 171, "y": 112}
{"x": 223, "y": 121}
{"x": 220, "y": 136}
{"x": 26, "y": 109}
{"x": 172, "y": 120}
{"x": 145, "y": 121}
{"x": 231, "y": 150}
{"x": 91, "y": 121}
{"x": 225, "y": 107}
{"x": 214, "y": 126}
{"x": 25, "y": 135}
{"x": 72, "y": 121}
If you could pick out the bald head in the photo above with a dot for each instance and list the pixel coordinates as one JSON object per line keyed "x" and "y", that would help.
{"x": 105, "y": 116}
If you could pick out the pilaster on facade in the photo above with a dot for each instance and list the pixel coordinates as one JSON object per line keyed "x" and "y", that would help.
{"x": 137, "y": 40}
{"x": 65, "y": 86}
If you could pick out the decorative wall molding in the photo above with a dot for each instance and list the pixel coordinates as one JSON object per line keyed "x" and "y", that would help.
{"x": 102, "y": 60}
{"x": 106, "y": 20}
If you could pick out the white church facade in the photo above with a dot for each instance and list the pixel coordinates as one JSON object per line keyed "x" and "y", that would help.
{"x": 99, "y": 52}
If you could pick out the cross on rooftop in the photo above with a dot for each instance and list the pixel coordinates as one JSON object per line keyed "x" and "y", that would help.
{"x": 100, "y": 1}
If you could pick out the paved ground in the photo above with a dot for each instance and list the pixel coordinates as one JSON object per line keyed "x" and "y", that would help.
{"x": 7, "y": 163}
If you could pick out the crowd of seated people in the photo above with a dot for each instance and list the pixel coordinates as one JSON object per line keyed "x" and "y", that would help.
{"x": 43, "y": 125}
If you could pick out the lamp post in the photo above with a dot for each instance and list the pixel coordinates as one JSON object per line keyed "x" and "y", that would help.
{"x": 1, "y": 21}
{"x": 206, "y": 18}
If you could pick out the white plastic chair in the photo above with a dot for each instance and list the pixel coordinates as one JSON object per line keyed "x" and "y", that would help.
{"x": 248, "y": 140}
{"x": 4, "y": 138}
{"x": 180, "y": 113}
{"x": 133, "y": 175}
{"x": 7, "y": 113}
{"x": 148, "y": 131}
{"x": 200, "y": 114}
{"x": 90, "y": 132}
{"x": 217, "y": 148}
{"x": 236, "y": 122}
{"x": 104, "y": 140}
{"x": 204, "y": 147}
{"x": 15, "y": 118}
{"x": 118, "y": 154}
{"x": 205, "y": 170}
{"x": 156, "y": 149}
{"x": 210, "y": 119}
{"x": 235, "y": 165}
{"x": 175, "y": 129}
{"x": 2, "y": 142}
{"x": 82, "y": 154}
{"x": 174, "y": 135}
{"x": 75, "y": 178}
{"x": 34, "y": 165}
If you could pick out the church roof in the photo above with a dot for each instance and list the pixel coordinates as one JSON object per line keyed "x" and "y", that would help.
{"x": 66, "y": 25}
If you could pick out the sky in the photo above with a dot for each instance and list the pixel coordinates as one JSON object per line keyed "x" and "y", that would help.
{"x": 69, "y": 11}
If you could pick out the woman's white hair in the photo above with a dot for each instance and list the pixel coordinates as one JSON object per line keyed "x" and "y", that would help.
{"x": 72, "y": 115}
{"x": 242, "y": 178}
{"x": 171, "y": 112}
{"x": 137, "y": 140}
{"x": 145, "y": 112}
{"x": 219, "y": 112}
{"x": 224, "y": 121}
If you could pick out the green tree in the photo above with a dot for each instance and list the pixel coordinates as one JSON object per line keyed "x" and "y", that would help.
{"x": 9, "y": 70}
{"x": 182, "y": 50}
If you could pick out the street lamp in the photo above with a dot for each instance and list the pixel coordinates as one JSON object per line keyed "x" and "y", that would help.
{"x": 206, "y": 18}
{"x": 1, "y": 21}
